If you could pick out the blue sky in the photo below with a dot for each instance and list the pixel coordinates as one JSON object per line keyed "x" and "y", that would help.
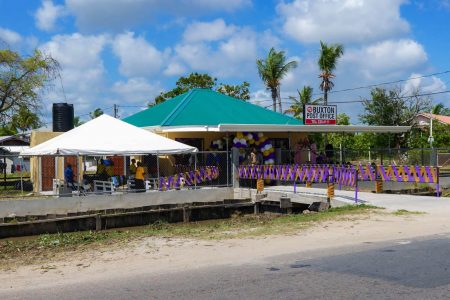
{"x": 125, "y": 52}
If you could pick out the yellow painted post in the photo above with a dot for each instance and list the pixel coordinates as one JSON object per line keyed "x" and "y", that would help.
{"x": 378, "y": 186}
{"x": 330, "y": 190}
{"x": 308, "y": 184}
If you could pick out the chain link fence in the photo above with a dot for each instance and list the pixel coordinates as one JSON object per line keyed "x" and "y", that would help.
{"x": 14, "y": 176}
{"x": 412, "y": 156}
{"x": 22, "y": 177}
{"x": 47, "y": 175}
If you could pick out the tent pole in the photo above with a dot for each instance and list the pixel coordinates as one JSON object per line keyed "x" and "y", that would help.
{"x": 79, "y": 173}
{"x": 157, "y": 167}
{"x": 22, "y": 164}
{"x": 228, "y": 177}
{"x": 195, "y": 169}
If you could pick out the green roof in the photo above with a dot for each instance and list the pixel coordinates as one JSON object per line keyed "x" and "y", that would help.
{"x": 207, "y": 108}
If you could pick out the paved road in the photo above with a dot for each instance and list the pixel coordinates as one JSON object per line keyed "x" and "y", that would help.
{"x": 416, "y": 269}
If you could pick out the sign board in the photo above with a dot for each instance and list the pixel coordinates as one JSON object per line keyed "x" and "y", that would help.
{"x": 319, "y": 114}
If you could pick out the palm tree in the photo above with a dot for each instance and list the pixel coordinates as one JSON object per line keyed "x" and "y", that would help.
{"x": 77, "y": 122}
{"x": 272, "y": 70}
{"x": 304, "y": 97}
{"x": 329, "y": 55}
{"x": 96, "y": 113}
{"x": 440, "y": 109}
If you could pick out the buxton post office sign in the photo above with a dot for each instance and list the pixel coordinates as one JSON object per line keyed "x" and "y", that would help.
{"x": 320, "y": 114}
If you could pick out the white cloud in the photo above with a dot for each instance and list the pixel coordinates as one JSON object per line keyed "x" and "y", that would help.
{"x": 10, "y": 37}
{"x": 386, "y": 58}
{"x": 124, "y": 14}
{"x": 174, "y": 69}
{"x": 431, "y": 84}
{"x": 82, "y": 67}
{"x": 47, "y": 14}
{"x": 231, "y": 55}
{"x": 137, "y": 56}
{"x": 208, "y": 31}
{"x": 342, "y": 20}
{"x": 136, "y": 90}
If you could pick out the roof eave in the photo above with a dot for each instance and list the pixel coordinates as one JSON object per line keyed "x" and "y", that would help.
{"x": 312, "y": 128}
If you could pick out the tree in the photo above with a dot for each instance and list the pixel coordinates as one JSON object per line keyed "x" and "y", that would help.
{"x": 392, "y": 108}
{"x": 272, "y": 70}
{"x": 304, "y": 97}
{"x": 22, "y": 78}
{"x": 25, "y": 120}
{"x": 204, "y": 81}
{"x": 240, "y": 91}
{"x": 96, "y": 113}
{"x": 329, "y": 55}
{"x": 342, "y": 139}
{"x": 184, "y": 84}
{"x": 77, "y": 122}
{"x": 440, "y": 109}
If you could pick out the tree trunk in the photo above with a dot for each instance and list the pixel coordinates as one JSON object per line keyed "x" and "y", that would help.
{"x": 279, "y": 101}
{"x": 274, "y": 99}
{"x": 325, "y": 96}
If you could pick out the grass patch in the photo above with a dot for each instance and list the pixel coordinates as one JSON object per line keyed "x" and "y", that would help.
{"x": 41, "y": 248}
{"x": 404, "y": 212}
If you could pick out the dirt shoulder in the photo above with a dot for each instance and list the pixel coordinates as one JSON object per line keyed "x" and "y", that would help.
{"x": 146, "y": 255}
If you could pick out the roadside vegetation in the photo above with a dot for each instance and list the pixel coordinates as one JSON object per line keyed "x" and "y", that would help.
{"x": 404, "y": 212}
{"x": 42, "y": 248}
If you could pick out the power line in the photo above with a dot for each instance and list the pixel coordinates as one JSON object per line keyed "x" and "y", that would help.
{"x": 401, "y": 97}
{"x": 367, "y": 86}
{"x": 385, "y": 83}
{"x": 362, "y": 100}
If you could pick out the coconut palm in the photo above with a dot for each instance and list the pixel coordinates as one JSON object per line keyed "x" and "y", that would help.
{"x": 329, "y": 55}
{"x": 96, "y": 113}
{"x": 272, "y": 70}
{"x": 440, "y": 109}
{"x": 304, "y": 97}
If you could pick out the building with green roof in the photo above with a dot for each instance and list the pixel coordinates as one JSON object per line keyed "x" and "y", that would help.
{"x": 204, "y": 107}
{"x": 201, "y": 116}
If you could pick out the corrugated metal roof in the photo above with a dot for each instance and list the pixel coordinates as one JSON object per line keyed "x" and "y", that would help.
{"x": 205, "y": 107}
{"x": 440, "y": 118}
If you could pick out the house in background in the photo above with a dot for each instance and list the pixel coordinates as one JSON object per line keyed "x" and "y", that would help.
{"x": 423, "y": 119}
{"x": 10, "y": 147}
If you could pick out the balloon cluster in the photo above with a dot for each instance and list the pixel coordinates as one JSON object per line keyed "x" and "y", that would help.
{"x": 217, "y": 144}
{"x": 245, "y": 140}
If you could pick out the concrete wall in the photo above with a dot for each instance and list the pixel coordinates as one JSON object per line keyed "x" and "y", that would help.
{"x": 66, "y": 205}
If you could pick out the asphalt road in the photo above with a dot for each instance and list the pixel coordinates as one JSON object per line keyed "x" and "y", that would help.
{"x": 414, "y": 269}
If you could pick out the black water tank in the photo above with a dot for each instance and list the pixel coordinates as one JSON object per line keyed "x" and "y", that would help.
{"x": 62, "y": 117}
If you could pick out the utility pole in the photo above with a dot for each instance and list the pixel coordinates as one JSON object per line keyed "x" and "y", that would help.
{"x": 116, "y": 110}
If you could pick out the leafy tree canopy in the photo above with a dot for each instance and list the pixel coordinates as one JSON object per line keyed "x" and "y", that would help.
{"x": 204, "y": 81}
{"x": 77, "y": 122}
{"x": 94, "y": 114}
{"x": 21, "y": 80}
{"x": 392, "y": 108}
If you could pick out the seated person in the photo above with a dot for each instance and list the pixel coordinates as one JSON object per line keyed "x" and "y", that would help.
{"x": 101, "y": 171}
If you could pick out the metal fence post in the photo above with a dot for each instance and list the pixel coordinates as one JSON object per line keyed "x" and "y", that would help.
{"x": 195, "y": 170}
{"x": 157, "y": 166}
{"x": 22, "y": 164}
{"x": 228, "y": 162}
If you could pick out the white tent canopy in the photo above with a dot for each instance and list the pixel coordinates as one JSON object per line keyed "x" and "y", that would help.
{"x": 106, "y": 135}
